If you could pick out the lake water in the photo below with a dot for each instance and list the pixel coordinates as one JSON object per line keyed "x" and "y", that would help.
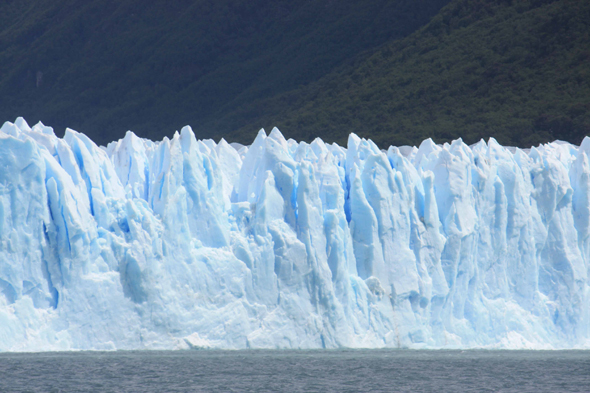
{"x": 297, "y": 371}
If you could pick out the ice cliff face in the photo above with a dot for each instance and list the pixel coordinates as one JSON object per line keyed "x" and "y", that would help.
{"x": 185, "y": 243}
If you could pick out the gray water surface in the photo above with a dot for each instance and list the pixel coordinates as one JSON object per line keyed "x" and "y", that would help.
{"x": 297, "y": 371}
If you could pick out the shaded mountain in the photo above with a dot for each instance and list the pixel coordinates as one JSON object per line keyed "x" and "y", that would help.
{"x": 104, "y": 67}
{"x": 515, "y": 70}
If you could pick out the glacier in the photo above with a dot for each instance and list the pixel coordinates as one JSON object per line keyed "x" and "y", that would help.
{"x": 192, "y": 244}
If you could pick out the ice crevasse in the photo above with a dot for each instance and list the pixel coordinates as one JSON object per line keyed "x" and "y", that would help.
{"x": 188, "y": 243}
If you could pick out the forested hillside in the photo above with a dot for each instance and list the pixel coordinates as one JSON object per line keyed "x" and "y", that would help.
{"x": 518, "y": 71}
{"x": 394, "y": 71}
{"x": 107, "y": 66}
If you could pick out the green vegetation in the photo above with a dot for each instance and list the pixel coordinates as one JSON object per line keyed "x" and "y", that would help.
{"x": 518, "y": 71}
{"x": 394, "y": 71}
{"x": 104, "y": 67}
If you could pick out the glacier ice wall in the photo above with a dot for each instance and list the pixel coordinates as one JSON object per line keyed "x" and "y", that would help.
{"x": 191, "y": 244}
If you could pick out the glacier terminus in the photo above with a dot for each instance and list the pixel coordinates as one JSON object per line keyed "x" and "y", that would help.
{"x": 188, "y": 243}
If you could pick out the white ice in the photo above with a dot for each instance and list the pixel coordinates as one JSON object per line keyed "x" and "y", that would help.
{"x": 195, "y": 244}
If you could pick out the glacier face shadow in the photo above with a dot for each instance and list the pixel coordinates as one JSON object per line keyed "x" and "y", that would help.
{"x": 188, "y": 243}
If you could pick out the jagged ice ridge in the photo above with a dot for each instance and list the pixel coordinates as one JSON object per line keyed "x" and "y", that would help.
{"x": 191, "y": 244}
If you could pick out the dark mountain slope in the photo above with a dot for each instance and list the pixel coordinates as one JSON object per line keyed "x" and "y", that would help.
{"x": 107, "y": 66}
{"x": 515, "y": 70}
